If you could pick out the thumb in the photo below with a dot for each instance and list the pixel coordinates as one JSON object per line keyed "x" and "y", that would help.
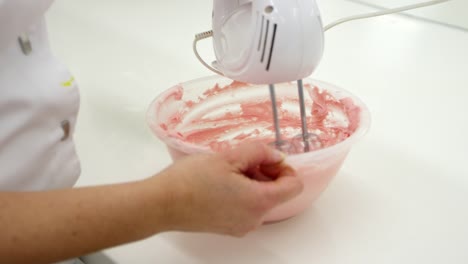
{"x": 251, "y": 155}
{"x": 287, "y": 186}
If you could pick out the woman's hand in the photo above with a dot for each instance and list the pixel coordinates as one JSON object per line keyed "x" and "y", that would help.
{"x": 227, "y": 193}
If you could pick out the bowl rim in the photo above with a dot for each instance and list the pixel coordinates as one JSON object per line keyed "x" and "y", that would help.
{"x": 190, "y": 148}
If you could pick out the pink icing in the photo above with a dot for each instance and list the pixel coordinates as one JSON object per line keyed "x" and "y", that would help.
{"x": 252, "y": 120}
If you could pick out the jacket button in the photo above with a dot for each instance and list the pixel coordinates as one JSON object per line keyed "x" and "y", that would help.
{"x": 25, "y": 44}
{"x": 66, "y": 130}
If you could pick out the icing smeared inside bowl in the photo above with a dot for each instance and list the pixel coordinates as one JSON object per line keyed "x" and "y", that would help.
{"x": 224, "y": 116}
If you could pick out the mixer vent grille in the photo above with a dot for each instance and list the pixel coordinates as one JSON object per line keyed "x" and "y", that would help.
{"x": 263, "y": 42}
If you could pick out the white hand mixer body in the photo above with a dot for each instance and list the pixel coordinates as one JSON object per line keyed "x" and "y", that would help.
{"x": 268, "y": 42}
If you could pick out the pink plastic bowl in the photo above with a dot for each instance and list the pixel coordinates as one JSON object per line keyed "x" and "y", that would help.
{"x": 316, "y": 168}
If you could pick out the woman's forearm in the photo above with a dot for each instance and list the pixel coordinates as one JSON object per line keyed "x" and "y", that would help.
{"x": 44, "y": 227}
{"x": 212, "y": 193}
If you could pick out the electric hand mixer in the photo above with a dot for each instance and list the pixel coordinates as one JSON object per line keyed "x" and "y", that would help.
{"x": 268, "y": 42}
{"x": 273, "y": 41}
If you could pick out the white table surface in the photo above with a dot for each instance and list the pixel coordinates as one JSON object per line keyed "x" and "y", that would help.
{"x": 402, "y": 195}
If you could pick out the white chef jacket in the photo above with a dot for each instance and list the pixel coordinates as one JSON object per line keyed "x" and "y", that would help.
{"x": 39, "y": 103}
